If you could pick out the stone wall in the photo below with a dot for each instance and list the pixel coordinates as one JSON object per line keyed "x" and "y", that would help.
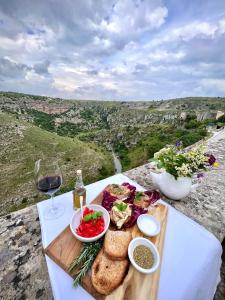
{"x": 23, "y": 271}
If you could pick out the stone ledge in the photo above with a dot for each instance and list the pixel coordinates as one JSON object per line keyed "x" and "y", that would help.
{"x": 23, "y": 270}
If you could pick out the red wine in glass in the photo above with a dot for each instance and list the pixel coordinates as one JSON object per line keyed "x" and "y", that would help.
{"x": 48, "y": 180}
{"x": 49, "y": 184}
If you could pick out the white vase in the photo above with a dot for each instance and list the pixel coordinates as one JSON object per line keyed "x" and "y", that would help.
{"x": 171, "y": 187}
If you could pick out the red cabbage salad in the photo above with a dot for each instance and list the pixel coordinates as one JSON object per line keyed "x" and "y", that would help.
{"x": 108, "y": 201}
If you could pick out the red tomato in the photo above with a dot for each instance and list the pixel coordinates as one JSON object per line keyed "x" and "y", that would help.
{"x": 90, "y": 228}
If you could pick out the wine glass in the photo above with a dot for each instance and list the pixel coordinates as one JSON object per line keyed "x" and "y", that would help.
{"x": 48, "y": 179}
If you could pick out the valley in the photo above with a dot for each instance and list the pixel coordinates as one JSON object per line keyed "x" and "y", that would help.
{"x": 99, "y": 137}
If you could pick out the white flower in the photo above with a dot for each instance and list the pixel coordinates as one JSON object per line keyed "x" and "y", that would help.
{"x": 184, "y": 170}
{"x": 180, "y": 162}
{"x": 162, "y": 152}
{"x": 196, "y": 157}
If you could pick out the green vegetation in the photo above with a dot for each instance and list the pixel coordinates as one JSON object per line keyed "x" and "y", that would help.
{"x": 69, "y": 129}
{"x": 42, "y": 120}
{"x": 157, "y": 138}
{"x": 81, "y": 134}
{"x": 20, "y": 152}
{"x": 88, "y": 115}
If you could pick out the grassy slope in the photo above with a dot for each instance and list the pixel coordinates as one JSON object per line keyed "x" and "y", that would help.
{"x": 22, "y": 144}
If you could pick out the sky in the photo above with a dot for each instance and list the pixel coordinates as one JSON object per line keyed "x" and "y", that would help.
{"x": 113, "y": 50}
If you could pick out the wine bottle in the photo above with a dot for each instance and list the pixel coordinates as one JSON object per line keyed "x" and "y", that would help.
{"x": 79, "y": 190}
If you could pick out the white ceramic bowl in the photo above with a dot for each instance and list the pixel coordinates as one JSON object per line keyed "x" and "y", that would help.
{"x": 142, "y": 241}
{"x": 75, "y": 222}
{"x": 148, "y": 225}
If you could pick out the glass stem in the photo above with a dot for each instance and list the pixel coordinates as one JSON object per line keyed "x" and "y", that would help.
{"x": 53, "y": 204}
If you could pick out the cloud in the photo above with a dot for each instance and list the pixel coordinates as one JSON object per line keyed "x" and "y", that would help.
{"x": 12, "y": 69}
{"x": 42, "y": 67}
{"x": 115, "y": 49}
{"x": 190, "y": 31}
{"x": 129, "y": 19}
{"x": 217, "y": 84}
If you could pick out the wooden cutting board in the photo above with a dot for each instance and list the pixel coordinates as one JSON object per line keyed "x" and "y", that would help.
{"x": 65, "y": 248}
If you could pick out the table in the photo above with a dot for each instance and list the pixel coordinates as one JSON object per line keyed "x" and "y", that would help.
{"x": 190, "y": 265}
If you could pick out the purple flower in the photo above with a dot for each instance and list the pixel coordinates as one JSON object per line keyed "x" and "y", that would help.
{"x": 200, "y": 175}
{"x": 211, "y": 159}
{"x": 178, "y": 144}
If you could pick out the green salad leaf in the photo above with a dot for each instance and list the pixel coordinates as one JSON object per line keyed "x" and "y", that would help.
{"x": 139, "y": 195}
{"x": 93, "y": 216}
{"x": 121, "y": 206}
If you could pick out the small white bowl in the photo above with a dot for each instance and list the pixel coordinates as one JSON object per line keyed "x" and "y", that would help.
{"x": 75, "y": 222}
{"x": 142, "y": 241}
{"x": 148, "y": 225}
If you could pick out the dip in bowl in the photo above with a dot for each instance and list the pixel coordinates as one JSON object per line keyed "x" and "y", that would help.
{"x": 143, "y": 255}
{"x": 148, "y": 225}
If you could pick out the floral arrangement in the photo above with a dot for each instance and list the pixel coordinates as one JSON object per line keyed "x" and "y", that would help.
{"x": 184, "y": 163}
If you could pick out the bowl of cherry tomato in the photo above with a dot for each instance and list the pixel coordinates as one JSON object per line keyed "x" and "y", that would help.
{"x": 92, "y": 226}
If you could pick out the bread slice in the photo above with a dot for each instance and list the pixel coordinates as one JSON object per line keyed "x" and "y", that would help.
{"x": 141, "y": 200}
{"x": 118, "y": 191}
{"x": 116, "y": 244}
{"x": 107, "y": 274}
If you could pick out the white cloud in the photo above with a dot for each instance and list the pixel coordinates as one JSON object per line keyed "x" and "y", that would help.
{"x": 216, "y": 84}
{"x": 166, "y": 56}
{"x": 221, "y": 26}
{"x": 32, "y": 76}
{"x": 190, "y": 31}
{"x": 195, "y": 29}
{"x": 129, "y": 19}
{"x": 124, "y": 48}
{"x": 157, "y": 17}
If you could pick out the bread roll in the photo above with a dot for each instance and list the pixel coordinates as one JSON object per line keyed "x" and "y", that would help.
{"x": 116, "y": 244}
{"x": 107, "y": 274}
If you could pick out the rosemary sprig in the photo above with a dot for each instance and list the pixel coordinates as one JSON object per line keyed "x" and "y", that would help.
{"x": 85, "y": 260}
{"x": 78, "y": 261}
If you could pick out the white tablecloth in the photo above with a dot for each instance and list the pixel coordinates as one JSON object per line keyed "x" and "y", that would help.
{"x": 190, "y": 264}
